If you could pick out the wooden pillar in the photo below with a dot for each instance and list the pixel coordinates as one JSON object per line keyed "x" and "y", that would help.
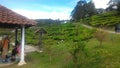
{"x": 40, "y": 41}
{"x": 16, "y": 36}
{"x": 22, "y": 60}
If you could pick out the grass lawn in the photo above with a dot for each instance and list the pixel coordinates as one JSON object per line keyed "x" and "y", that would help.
{"x": 56, "y": 52}
{"x": 105, "y": 56}
{"x": 108, "y": 54}
{"x": 40, "y": 60}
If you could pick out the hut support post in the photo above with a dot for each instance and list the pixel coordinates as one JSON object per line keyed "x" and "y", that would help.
{"x": 40, "y": 41}
{"x": 22, "y": 61}
{"x": 16, "y": 36}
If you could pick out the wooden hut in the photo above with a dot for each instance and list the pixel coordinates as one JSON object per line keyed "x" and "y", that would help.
{"x": 10, "y": 19}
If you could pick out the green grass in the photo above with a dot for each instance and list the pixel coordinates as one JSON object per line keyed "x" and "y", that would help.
{"x": 107, "y": 20}
{"x": 106, "y": 56}
{"x": 109, "y": 52}
{"x": 56, "y": 51}
{"x": 40, "y": 60}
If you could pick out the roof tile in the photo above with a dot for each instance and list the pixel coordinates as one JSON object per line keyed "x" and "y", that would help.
{"x": 11, "y": 17}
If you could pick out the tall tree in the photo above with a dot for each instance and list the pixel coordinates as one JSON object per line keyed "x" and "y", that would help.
{"x": 118, "y": 6}
{"x": 78, "y": 11}
{"x": 114, "y": 5}
{"x": 82, "y": 10}
{"x": 90, "y": 9}
{"x": 113, "y": 1}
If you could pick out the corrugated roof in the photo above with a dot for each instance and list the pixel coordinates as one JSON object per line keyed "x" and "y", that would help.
{"x": 10, "y": 17}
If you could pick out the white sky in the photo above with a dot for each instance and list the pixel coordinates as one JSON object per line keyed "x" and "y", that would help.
{"x": 101, "y": 3}
{"x": 61, "y": 13}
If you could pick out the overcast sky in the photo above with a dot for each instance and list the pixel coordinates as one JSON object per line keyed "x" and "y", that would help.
{"x": 45, "y": 9}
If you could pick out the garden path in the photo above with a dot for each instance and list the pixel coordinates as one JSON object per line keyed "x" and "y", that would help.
{"x": 90, "y": 27}
{"x": 30, "y": 48}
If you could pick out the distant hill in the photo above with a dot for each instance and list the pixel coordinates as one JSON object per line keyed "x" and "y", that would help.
{"x": 107, "y": 19}
{"x": 42, "y": 22}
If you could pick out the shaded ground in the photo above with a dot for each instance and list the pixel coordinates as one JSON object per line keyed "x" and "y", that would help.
{"x": 28, "y": 49}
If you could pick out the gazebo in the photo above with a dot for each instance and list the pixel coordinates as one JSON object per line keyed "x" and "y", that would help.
{"x": 10, "y": 19}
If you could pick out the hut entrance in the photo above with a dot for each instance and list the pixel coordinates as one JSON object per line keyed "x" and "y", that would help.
{"x": 11, "y": 20}
{"x": 8, "y": 44}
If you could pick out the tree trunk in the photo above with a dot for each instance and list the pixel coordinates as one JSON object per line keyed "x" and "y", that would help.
{"x": 40, "y": 41}
{"x": 101, "y": 43}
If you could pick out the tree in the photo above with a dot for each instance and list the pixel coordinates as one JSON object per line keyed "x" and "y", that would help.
{"x": 100, "y": 10}
{"x": 100, "y": 36}
{"x": 113, "y": 2}
{"x": 82, "y": 10}
{"x": 77, "y": 36}
{"x": 114, "y": 5}
{"x": 118, "y": 6}
{"x": 90, "y": 9}
{"x": 78, "y": 12}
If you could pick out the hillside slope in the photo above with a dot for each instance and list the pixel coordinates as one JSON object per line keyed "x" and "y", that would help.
{"x": 107, "y": 19}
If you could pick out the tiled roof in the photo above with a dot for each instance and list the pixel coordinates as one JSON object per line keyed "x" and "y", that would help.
{"x": 41, "y": 30}
{"x": 8, "y": 16}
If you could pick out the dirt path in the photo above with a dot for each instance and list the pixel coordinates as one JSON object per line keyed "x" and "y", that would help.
{"x": 29, "y": 48}
{"x": 90, "y": 27}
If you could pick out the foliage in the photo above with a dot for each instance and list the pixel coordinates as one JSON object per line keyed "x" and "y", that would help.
{"x": 90, "y": 9}
{"x": 118, "y": 6}
{"x": 91, "y": 55}
{"x": 49, "y": 22}
{"x": 77, "y": 37}
{"x": 114, "y": 5}
{"x": 62, "y": 43}
{"x": 86, "y": 20}
{"x": 69, "y": 34}
{"x": 100, "y": 36}
{"x": 100, "y": 10}
{"x": 107, "y": 19}
{"x": 82, "y": 10}
{"x": 31, "y": 37}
